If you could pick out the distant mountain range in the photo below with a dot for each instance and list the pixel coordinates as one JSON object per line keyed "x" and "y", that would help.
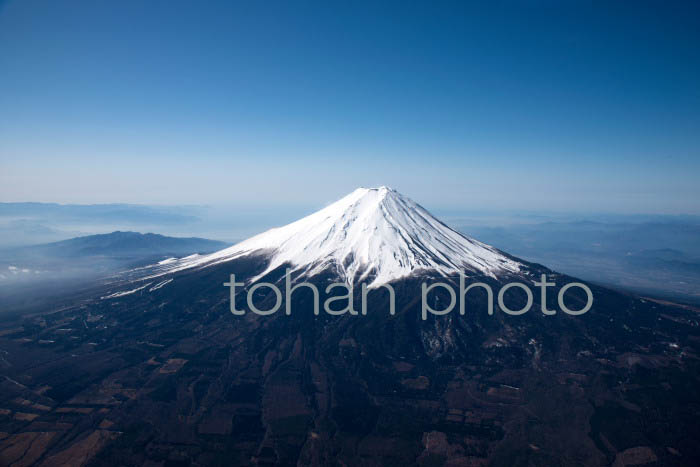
{"x": 96, "y": 212}
{"x": 125, "y": 245}
{"x": 85, "y": 260}
{"x": 655, "y": 257}
{"x": 23, "y": 224}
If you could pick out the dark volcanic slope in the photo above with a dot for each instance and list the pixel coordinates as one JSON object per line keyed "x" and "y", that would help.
{"x": 171, "y": 376}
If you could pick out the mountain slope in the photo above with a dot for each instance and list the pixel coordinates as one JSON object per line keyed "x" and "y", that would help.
{"x": 373, "y": 234}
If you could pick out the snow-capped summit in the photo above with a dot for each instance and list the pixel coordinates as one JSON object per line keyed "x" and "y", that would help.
{"x": 373, "y": 233}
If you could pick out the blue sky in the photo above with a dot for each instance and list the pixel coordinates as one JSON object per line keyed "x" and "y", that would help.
{"x": 517, "y": 105}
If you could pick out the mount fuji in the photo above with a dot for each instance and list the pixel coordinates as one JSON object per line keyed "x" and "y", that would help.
{"x": 152, "y": 368}
{"x": 373, "y": 234}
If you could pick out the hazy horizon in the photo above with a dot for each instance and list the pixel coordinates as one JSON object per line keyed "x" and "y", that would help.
{"x": 236, "y": 222}
{"x": 630, "y": 251}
